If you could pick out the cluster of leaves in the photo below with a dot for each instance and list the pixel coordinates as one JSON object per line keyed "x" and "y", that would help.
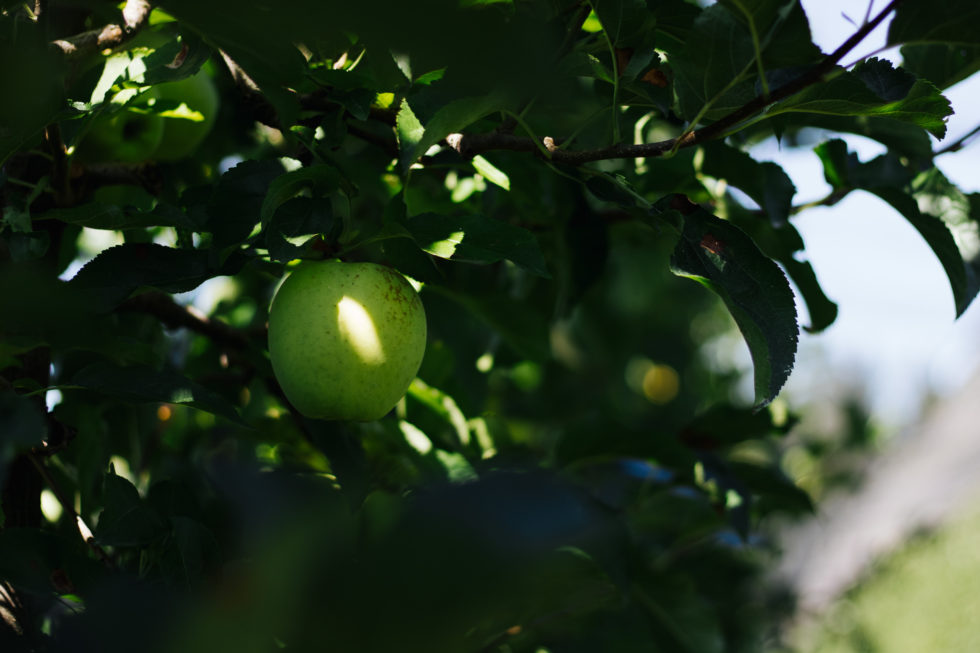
{"x": 569, "y": 471}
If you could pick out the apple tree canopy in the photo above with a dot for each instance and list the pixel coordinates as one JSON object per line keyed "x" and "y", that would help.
{"x": 575, "y": 466}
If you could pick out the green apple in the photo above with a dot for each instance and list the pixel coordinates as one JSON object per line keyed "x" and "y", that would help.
{"x": 186, "y": 126}
{"x": 346, "y": 339}
{"x": 126, "y": 135}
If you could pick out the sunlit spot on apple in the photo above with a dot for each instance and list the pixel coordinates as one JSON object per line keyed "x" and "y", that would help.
{"x": 357, "y": 327}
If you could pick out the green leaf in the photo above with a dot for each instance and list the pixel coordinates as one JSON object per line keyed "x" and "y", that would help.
{"x": 925, "y": 21}
{"x": 759, "y": 14}
{"x": 612, "y": 188}
{"x": 31, "y": 559}
{"x": 259, "y": 39}
{"x": 837, "y": 162}
{"x": 403, "y": 253}
{"x": 685, "y": 618}
{"x": 144, "y": 384}
{"x": 789, "y": 43}
{"x": 37, "y": 309}
{"x": 586, "y": 241}
{"x": 30, "y": 84}
{"x": 675, "y": 21}
{"x": 174, "y": 498}
{"x": 320, "y": 179}
{"x": 943, "y": 64}
{"x": 21, "y": 423}
{"x": 900, "y": 137}
{"x": 938, "y": 237}
{"x": 883, "y": 80}
{"x": 938, "y": 210}
{"x": 25, "y": 247}
{"x": 712, "y": 66}
{"x": 113, "y": 275}
{"x": 843, "y": 170}
{"x": 239, "y": 200}
{"x": 937, "y": 196}
{"x": 626, "y": 22}
{"x": 781, "y": 30}
{"x": 520, "y": 325}
{"x": 190, "y": 51}
{"x": 456, "y": 116}
{"x": 21, "y": 427}
{"x": 297, "y": 218}
{"x": 98, "y": 215}
{"x": 415, "y": 139}
{"x": 874, "y": 88}
{"x": 410, "y": 131}
{"x": 348, "y": 89}
{"x": 490, "y": 172}
{"x": 18, "y": 219}
{"x": 783, "y": 244}
{"x": 190, "y": 551}
{"x": 615, "y": 188}
{"x": 821, "y": 309}
{"x": 450, "y": 429}
{"x": 721, "y": 257}
{"x": 126, "y": 520}
{"x": 724, "y": 425}
{"x": 774, "y": 490}
{"x": 765, "y": 182}
{"x": 477, "y": 239}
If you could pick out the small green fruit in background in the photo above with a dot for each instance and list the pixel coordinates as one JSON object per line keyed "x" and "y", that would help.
{"x": 182, "y": 135}
{"x": 346, "y": 339}
{"x": 128, "y": 135}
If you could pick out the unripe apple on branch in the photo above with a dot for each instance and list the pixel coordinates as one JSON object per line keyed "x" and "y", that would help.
{"x": 346, "y": 339}
{"x": 185, "y": 128}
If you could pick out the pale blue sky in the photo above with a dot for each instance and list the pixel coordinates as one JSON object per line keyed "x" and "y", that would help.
{"x": 896, "y": 327}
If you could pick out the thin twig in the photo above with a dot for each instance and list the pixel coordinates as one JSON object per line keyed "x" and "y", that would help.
{"x": 959, "y": 143}
{"x": 145, "y": 174}
{"x": 830, "y": 199}
{"x": 388, "y": 145}
{"x": 242, "y": 79}
{"x": 867, "y": 13}
{"x": 173, "y": 315}
{"x": 471, "y": 145}
{"x": 135, "y": 14}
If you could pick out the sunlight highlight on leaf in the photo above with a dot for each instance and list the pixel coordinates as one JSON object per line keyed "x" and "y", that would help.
{"x": 183, "y": 112}
{"x": 446, "y": 247}
{"x": 491, "y": 173}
